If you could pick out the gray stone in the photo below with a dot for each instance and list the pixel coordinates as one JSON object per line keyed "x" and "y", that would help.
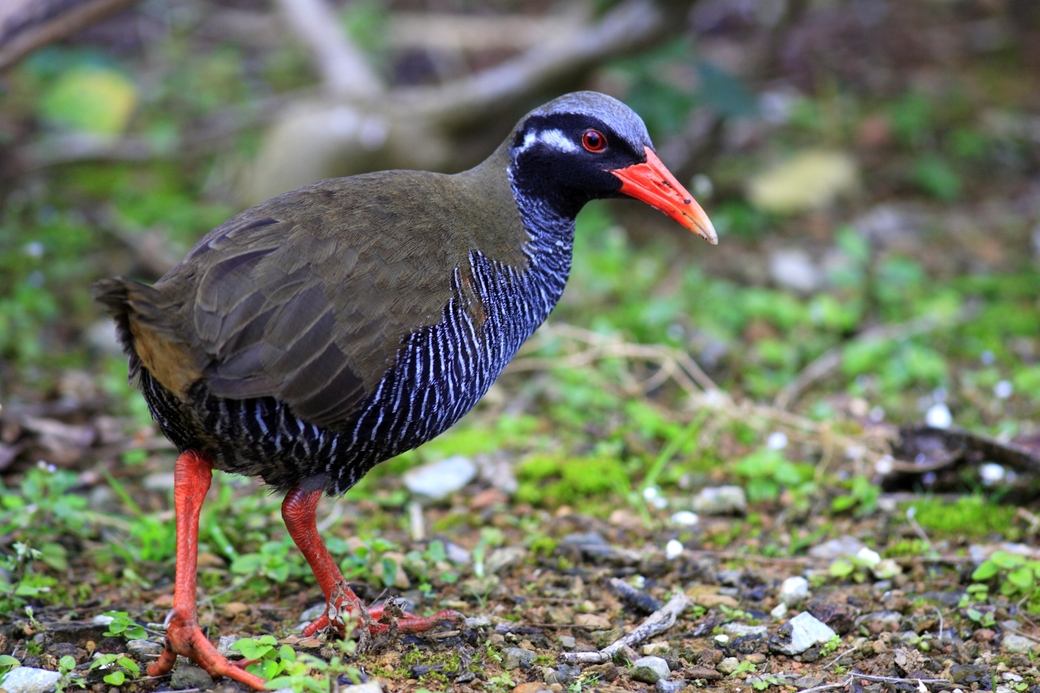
{"x": 841, "y": 547}
{"x": 188, "y": 676}
{"x": 720, "y": 500}
{"x": 727, "y": 666}
{"x": 477, "y": 622}
{"x": 456, "y": 554}
{"x": 438, "y": 480}
{"x": 503, "y": 558}
{"x": 372, "y": 686}
{"x": 568, "y": 642}
{"x": 740, "y": 630}
{"x": 730, "y": 578}
{"x": 792, "y": 268}
{"x": 1017, "y": 644}
{"x": 649, "y": 670}
{"x": 29, "y": 680}
{"x": 563, "y": 674}
{"x": 799, "y": 634}
{"x": 794, "y": 590}
{"x": 144, "y": 648}
{"x": 666, "y": 686}
{"x": 515, "y": 657}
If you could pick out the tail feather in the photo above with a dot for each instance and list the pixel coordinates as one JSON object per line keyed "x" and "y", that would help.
{"x": 126, "y": 300}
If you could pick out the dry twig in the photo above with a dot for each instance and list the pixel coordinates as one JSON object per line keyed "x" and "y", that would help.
{"x": 660, "y": 620}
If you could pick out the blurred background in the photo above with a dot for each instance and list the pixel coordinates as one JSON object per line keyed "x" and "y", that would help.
{"x": 872, "y": 167}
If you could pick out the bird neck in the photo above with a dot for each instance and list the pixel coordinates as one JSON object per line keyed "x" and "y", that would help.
{"x": 551, "y": 244}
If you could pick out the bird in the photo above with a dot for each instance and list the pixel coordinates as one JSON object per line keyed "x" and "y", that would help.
{"x": 330, "y": 328}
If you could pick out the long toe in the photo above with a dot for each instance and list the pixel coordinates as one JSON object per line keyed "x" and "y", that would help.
{"x": 410, "y": 623}
{"x": 187, "y": 640}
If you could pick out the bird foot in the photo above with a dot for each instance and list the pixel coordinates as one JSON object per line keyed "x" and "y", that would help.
{"x": 185, "y": 638}
{"x": 378, "y": 620}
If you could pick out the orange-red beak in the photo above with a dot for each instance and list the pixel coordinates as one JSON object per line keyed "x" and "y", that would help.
{"x": 655, "y": 185}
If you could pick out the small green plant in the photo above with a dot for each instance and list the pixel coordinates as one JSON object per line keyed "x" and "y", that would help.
{"x": 768, "y": 473}
{"x": 117, "y": 666}
{"x": 123, "y": 625}
{"x": 7, "y": 662}
{"x": 1016, "y": 577}
{"x": 69, "y": 677}
{"x": 760, "y": 683}
{"x": 743, "y": 669}
{"x": 269, "y": 660}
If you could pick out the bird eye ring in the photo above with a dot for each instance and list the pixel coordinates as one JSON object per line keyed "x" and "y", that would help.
{"x": 594, "y": 141}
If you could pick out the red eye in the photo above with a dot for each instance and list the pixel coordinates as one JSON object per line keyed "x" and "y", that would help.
{"x": 594, "y": 141}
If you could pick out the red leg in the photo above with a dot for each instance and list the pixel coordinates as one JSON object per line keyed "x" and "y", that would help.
{"x": 192, "y": 475}
{"x": 299, "y": 513}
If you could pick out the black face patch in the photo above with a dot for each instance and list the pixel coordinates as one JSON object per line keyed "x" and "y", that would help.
{"x": 552, "y": 164}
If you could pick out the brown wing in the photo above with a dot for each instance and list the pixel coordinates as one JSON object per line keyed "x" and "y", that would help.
{"x": 307, "y": 297}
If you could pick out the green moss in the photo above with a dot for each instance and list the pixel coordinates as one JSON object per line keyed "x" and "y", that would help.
{"x": 972, "y": 517}
{"x": 556, "y": 479}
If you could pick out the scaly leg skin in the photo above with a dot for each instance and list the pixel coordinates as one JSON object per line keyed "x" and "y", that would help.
{"x": 192, "y": 475}
{"x": 298, "y": 511}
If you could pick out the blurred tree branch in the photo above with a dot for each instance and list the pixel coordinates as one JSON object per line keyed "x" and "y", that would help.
{"x": 449, "y": 126}
{"x": 26, "y": 25}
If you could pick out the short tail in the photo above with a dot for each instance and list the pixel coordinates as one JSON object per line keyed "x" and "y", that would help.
{"x": 126, "y": 300}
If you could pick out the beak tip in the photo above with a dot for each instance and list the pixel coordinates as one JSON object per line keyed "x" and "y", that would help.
{"x": 706, "y": 230}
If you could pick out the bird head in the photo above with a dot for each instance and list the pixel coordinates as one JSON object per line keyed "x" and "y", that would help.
{"x": 586, "y": 145}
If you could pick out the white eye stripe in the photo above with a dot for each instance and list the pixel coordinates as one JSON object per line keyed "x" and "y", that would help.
{"x": 552, "y": 138}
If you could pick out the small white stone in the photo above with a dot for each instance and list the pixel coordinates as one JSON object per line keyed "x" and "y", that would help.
{"x": 793, "y": 590}
{"x": 877, "y": 414}
{"x": 685, "y": 518}
{"x": 1003, "y": 389}
{"x": 991, "y": 473}
{"x": 987, "y": 358}
{"x": 884, "y": 465}
{"x": 673, "y": 549}
{"x": 779, "y": 611}
{"x": 650, "y": 493}
{"x": 777, "y": 440}
{"x": 939, "y": 416}
{"x": 869, "y": 556}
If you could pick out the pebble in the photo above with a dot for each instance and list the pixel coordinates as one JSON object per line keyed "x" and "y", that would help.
{"x": 794, "y": 590}
{"x": 533, "y": 687}
{"x": 567, "y": 642}
{"x": 938, "y": 416}
{"x": 372, "y": 686}
{"x": 666, "y": 686}
{"x": 793, "y": 268}
{"x": 437, "y": 480}
{"x": 727, "y": 666}
{"x": 188, "y": 676}
{"x": 730, "y": 578}
{"x": 515, "y": 657}
{"x": 649, "y": 670}
{"x": 503, "y": 558}
{"x": 685, "y": 518}
{"x": 564, "y": 673}
{"x": 720, "y": 500}
{"x": 655, "y": 648}
{"x": 607, "y": 671}
{"x": 841, "y": 547}
{"x": 30, "y": 680}
{"x": 741, "y": 630}
{"x": 779, "y": 611}
{"x": 144, "y": 648}
{"x": 1015, "y": 643}
{"x": 799, "y": 634}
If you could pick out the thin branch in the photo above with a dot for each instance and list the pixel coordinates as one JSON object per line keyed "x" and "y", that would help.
{"x": 26, "y": 25}
{"x": 628, "y": 27}
{"x": 660, "y": 620}
{"x": 344, "y": 70}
